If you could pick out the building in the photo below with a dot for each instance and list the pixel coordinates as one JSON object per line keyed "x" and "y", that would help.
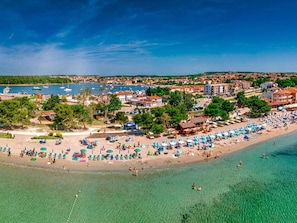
{"x": 124, "y": 96}
{"x": 218, "y": 89}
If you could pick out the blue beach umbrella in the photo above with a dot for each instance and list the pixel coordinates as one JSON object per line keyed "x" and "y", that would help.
{"x": 137, "y": 150}
{"x": 43, "y": 149}
{"x": 109, "y": 151}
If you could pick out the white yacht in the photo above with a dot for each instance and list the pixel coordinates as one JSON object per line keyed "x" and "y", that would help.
{"x": 36, "y": 88}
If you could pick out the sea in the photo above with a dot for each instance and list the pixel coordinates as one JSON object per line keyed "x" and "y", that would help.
{"x": 58, "y": 89}
{"x": 263, "y": 189}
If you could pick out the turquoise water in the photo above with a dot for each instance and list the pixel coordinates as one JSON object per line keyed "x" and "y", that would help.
{"x": 262, "y": 190}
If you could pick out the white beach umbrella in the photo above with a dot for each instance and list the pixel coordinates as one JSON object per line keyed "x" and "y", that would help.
{"x": 172, "y": 143}
{"x": 164, "y": 144}
{"x": 189, "y": 140}
{"x": 180, "y": 141}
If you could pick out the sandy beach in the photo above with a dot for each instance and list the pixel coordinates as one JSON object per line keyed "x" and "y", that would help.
{"x": 147, "y": 162}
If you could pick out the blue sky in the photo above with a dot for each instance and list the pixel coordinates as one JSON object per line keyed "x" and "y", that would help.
{"x": 130, "y": 37}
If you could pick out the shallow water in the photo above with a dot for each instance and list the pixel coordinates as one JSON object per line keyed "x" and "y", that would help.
{"x": 262, "y": 190}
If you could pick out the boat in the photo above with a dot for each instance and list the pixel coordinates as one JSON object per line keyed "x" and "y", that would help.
{"x": 67, "y": 89}
{"x": 36, "y": 88}
{"x": 6, "y": 90}
{"x": 45, "y": 86}
{"x": 62, "y": 87}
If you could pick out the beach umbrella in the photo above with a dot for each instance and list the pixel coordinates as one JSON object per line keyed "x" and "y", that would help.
{"x": 164, "y": 144}
{"x": 33, "y": 159}
{"x": 83, "y": 150}
{"x": 173, "y": 142}
{"x": 43, "y": 149}
{"x": 137, "y": 150}
{"x": 109, "y": 151}
{"x": 179, "y": 151}
{"x": 189, "y": 140}
{"x": 180, "y": 141}
{"x": 246, "y": 137}
{"x": 68, "y": 150}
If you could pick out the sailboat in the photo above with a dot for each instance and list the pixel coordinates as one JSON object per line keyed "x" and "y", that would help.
{"x": 67, "y": 89}
{"x": 62, "y": 87}
{"x": 45, "y": 86}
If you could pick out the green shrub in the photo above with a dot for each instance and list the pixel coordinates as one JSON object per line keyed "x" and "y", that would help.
{"x": 50, "y": 134}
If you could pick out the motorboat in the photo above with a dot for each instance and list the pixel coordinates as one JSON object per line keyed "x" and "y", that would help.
{"x": 67, "y": 89}
{"x": 36, "y": 88}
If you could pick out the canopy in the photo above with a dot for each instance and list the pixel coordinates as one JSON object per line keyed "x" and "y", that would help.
{"x": 130, "y": 124}
{"x": 83, "y": 150}
{"x": 137, "y": 150}
{"x": 109, "y": 151}
{"x": 42, "y": 148}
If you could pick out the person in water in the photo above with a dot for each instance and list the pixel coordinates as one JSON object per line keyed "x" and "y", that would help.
{"x": 194, "y": 186}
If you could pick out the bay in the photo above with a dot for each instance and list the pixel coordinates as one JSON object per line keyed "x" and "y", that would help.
{"x": 96, "y": 88}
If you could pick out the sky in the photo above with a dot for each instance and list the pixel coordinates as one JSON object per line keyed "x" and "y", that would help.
{"x": 153, "y": 37}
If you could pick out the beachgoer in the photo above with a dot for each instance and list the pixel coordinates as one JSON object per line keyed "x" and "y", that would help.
{"x": 194, "y": 186}
{"x": 130, "y": 168}
{"x": 199, "y": 188}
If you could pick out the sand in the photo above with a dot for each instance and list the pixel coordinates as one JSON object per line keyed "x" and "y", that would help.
{"x": 71, "y": 140}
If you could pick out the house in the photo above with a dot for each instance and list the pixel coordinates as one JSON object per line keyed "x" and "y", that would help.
{"x": 124, "y": 96}
{"x": 198, "y": 121}
{"x": 186, "y": 127}
{"x": 155, "y": 100}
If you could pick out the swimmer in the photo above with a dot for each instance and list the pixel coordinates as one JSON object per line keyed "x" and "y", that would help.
{"x": 199, "y": 188}
{"x": 194, "y": 186}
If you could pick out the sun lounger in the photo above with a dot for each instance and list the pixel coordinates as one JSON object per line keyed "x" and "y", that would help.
{"x": 121, "y": 156}
{"x": 117, "y": 157}
{"x": 59, "y": 156}
{"x": 94, "y": 157}
{"x": 4, "y": 149}
{"x": 64, "y": 156}
{"x": 98, "y": 157}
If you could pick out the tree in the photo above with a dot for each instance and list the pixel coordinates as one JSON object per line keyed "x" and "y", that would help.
{"x": 81, "y": 115}
{"x": 241, "y": 99}
{"x": 227, "y": 106}
{"x": 175, "y": 98}
{"x": 145, "y": 120}
{"x": 120, "y": 116}
{"x": 63, "y": 116}
{"x": 213, "y": 110}
{"x": 157, "y": 128}
{"x": 114, "y": 103}
{"x": 257, "y": 106}
{"x": 51, "y": 102}
{"x": 83, "y": 95}
{"x": 188, "y": 101}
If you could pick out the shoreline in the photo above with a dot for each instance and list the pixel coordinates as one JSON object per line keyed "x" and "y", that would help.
{"x": 147, "y": 163}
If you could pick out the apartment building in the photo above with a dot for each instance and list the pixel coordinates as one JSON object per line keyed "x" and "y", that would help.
{"x": 217, "y": 89}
